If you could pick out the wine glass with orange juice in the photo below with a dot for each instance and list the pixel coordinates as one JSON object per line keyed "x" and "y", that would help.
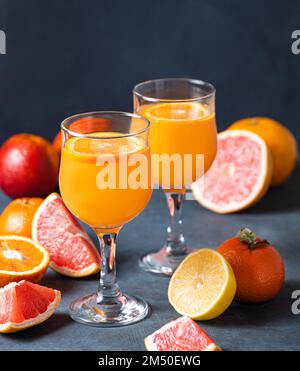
{"x": 101, "y": 151}
{"x": 183, "y": 127}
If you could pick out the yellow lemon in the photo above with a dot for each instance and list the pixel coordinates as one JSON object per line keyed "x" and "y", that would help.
{"x": 203, "y": 286}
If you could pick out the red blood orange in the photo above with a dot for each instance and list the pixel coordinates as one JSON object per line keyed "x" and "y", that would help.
{"x": 182, "y": 334}
{"x": 28, "y": 166}
{"x": 240, "y": 175}
{"x": 71, "y": 250}
{"x": 25, "y": 304}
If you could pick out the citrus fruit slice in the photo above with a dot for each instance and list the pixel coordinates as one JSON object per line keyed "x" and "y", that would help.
{"x": 71, "y": 250}
{"x": 84, "y": 125}
{"x": 90, "y": 147}
{"x": 183, "y": 334}
{"x": 21, "y": 258}
{"x": 176, "y": 111}
{"x": 240, "y": 175}
{"x": 26, "y": 304}
{"x": 203, "y": 286}
{"x": 280, "y": 140}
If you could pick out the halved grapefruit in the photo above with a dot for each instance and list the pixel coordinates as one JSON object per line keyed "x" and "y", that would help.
{"x": 280, "y": 140}
{"x": 240, "y": 175}
{"x": 21, "y": 259}
{"x": 183, "y": 334}
{"x": 71, "y": 250}
{"x": 26, "y": 304}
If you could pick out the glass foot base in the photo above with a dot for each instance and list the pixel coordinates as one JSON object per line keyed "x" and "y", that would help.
{"x": 161, "y": 262}
{"x": 125, "y": 311}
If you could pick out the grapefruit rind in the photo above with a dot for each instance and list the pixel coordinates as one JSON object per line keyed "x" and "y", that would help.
{"x": 32, "y": 275}
{"x": 91, "y": 269}
{"x": 88, "y": 271}
{"x": 261, "y": 186}
{"x": 10, "y": 327}
{"x": 221, "y": 302}
{"x": 151, "y": 345}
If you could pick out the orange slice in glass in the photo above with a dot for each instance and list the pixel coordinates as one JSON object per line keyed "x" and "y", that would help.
{"x": 176, "y": 111}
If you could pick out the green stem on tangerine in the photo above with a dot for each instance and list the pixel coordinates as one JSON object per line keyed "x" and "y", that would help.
{"x": 250, "y": 238}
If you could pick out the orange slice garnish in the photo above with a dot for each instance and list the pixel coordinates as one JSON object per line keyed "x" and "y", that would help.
{"x": 176, "y": 111}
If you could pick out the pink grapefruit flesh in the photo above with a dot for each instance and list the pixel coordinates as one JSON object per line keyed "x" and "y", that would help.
{"x": 26, "y": 304}
{"x": 240, "y": 175}
{"x": 182, "y": 334}
{"x": 71, "y": 250}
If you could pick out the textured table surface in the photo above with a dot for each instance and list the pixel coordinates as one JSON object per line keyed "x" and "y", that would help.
{"x": 268, "y": 326}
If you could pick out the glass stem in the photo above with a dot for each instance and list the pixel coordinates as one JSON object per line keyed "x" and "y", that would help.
{"x": 108, "y": 293}
{"x": 175, "y": 240}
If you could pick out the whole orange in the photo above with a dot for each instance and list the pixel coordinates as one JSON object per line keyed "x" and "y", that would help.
{"x": 17, "y": 217}
{"x": 257, "y": 266}
{"x": 280, "y": 141}
{"x": 28, "y": 166}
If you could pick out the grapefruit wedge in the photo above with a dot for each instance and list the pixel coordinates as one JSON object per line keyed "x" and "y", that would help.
{"x": 183, "y": 334}
{"x": 71, "y": 250}
{"x": 240, "y": 175}
{"x": 25, "y": 304}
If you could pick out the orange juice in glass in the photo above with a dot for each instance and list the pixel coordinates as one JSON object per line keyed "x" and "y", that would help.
{"x": 183, "y": 130}
{"x": 105, "y": 181}
{"x": 90, "y": 198}
{"x": 194, "y": 134}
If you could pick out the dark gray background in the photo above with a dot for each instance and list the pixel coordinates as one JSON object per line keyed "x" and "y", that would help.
{"x": 69, "y": 56}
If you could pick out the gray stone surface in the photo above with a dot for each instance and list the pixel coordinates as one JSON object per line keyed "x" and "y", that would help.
{"x": 268, "y": 326}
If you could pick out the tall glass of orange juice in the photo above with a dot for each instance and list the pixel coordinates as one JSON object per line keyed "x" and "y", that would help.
{"x": 183, "y": 140}
{"x": 105, "y": 181}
